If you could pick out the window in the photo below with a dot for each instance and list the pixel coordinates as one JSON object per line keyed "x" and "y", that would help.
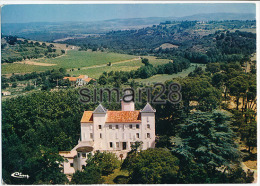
{"x": 116, "y": 126}
{"x": 137, "y": 126}
{"x": 124, "y": 146}
{"x": 111, "y": 144}
{"x": 100, "y": 126}
{"x": 110, "y": 126}
{"x": 78, "y": 155}
{"x": 148, "y": 135}
{"x": 91, "y": 135}
{"x": 71, "y": 164}
{"x": 100, "y": 135}
{"x": 117, "y": 144}
{"x": 137, "y": 135}
{"x": 130, "y": 126}
{"x": 148, "y": 126}
{"x": 83, "y": 155}
{"x": 83, "y": 167}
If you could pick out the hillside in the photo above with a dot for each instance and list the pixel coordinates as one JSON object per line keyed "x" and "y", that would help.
{"x": 50, "y": 31}
{"x": 15, "y": 49}
{"x": 196, "y": 41}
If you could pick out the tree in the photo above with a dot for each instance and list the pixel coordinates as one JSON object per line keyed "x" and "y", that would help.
{"x": 238, "y": 87}
{"x": 213, "y": 68}
{"x": 4, "y": 85}
{"x": 153, "y": 166}
{"x": 102, "y": 80}
{"x": 14, "y": 85}
{"x": 207, "y": 139}
{"x": 145, "y": 61}
{"x": 200, "y": 90}
{"x": 90, "y": 175}
{"x": 107, "y": 162}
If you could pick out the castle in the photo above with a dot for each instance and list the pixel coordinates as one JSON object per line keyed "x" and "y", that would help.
{"x": 111, "y": 131}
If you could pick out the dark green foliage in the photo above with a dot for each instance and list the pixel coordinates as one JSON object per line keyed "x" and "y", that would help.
{"x": 106, "y": 162}
{"x": 37, "y": 123}
{"x": 144, "y": 72}
{"x": 153, "y": 166}
{"x": 90, "y": 175}
{"x": 200, "y": 90}
{"x": 4, "y": 85}
{"x": 207, "y": 139}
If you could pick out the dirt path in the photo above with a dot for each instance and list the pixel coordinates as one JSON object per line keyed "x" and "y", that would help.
{"x": 29, "y": 62}
{"x": 245, "y": 168}
{"x": 104, "y": 65}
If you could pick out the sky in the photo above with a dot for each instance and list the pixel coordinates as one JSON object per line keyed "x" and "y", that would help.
{"x": 96, "y": 12}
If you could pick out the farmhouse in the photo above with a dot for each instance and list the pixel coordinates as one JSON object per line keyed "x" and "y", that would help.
{"x": 6, "y": 93}
{"x": 79, "y": 81}
{"x": 111, "y": 131}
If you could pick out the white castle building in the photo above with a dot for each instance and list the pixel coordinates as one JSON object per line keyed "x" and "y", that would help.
{"x": 111, "y": 131}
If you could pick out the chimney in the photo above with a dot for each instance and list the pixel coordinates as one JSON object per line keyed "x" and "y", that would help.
{"x": 127, "y": 106}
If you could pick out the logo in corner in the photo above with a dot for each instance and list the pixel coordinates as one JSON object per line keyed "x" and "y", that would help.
{"x": 19, "y": 175}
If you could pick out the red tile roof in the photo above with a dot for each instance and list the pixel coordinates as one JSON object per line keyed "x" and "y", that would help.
{"x": 123, "y": 117}
{"x": 82, "y": 76}
{"x": 115, "y": 117}
{"x": 71, "y": 78}
{"x": 87, "y": 117}
{"x": 88, "y": 79}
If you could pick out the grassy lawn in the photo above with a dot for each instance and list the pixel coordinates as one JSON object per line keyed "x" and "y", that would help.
{"x": 160, "y": 78}
{"x": 111, "y": 178}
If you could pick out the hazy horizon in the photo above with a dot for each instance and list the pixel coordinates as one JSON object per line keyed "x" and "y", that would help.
{"x": 100, "y": 12}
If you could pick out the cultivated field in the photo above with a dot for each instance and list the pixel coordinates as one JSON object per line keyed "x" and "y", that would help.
{"x": 127, "y": 65}
{"x": 160, "y": 78}
{"x": 82, "y": 62}
{"x": 73, "y": 59}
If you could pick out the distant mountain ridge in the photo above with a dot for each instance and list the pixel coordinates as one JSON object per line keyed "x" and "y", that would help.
{"x": 57, "y": 30}
{"x": 219, "y": 17}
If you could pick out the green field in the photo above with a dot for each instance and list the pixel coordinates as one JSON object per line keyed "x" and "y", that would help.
{"x": 121, "y": 66}
{"x": 94, "y": 64}
{"x": 73, "y": 59}
{"x": 90, "y": 63}
{"x": 160, "y": 78}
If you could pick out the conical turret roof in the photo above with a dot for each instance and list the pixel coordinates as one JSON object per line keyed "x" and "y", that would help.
{"x": 100, "y": 109}
{"x": 148, "y": 108}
